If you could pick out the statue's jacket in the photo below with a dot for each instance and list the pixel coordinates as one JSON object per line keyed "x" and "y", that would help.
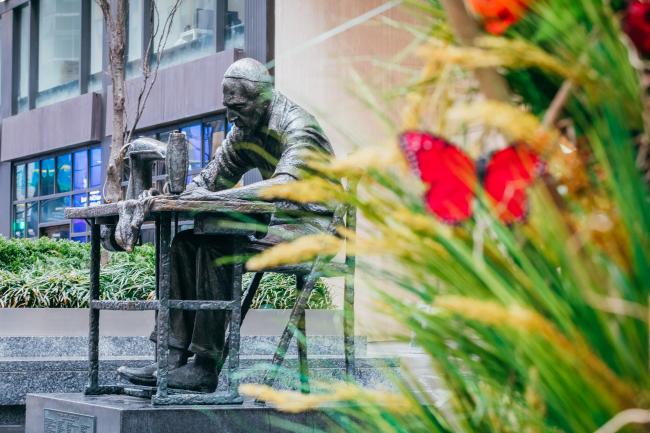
{"x": 280, "y": 147}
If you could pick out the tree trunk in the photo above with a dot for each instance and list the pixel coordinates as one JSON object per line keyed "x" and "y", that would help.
{"x": 117, "y": 59}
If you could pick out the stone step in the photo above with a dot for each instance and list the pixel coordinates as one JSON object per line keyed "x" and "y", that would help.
{"x": 19, "y": 376}
{"x": 52, "y": 347}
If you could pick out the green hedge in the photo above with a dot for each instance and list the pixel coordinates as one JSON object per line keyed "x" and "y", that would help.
{"x": 47, "y": 273}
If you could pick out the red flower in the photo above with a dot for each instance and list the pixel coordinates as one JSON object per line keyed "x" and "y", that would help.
{"x": 637, "y": 25}
{"x": 498, "y": 15}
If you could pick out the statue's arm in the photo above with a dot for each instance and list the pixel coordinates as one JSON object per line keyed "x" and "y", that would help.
{"x": 248, "y": 192}
{"x": 225, "y": 169}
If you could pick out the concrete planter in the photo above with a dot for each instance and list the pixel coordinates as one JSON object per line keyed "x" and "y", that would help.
{"x": 24, "y": 322}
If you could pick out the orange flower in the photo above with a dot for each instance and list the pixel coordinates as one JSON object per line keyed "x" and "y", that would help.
{"x": 498, "y": 15}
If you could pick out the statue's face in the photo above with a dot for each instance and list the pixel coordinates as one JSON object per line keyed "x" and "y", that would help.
{"x": 245, "y": 106}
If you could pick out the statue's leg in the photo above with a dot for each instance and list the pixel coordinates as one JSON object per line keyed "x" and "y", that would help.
{"x": 183, "y": 255}
{"x": 184, "y": 251}
{"x": 215, "y": 284}
{"x": 207, "y": 328}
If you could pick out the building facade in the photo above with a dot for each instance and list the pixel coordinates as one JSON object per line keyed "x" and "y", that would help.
{"x": 56, "y": 95}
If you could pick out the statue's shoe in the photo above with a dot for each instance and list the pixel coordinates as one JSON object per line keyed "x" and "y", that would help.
{"x": 144, "y": 376}
{"x": 199, "y": 375}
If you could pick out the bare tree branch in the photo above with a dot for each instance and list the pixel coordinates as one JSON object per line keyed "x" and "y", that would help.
{"x": 115, "y": 19}
{"x": 145, "y": 90}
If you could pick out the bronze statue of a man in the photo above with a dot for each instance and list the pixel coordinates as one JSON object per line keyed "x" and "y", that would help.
{"x": 270, "y": 133}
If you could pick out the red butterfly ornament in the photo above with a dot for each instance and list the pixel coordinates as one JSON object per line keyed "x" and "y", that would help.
{"x": 499, "y": 15}
{"x": 637, "y": 25}
{"x": 452, "y": 177}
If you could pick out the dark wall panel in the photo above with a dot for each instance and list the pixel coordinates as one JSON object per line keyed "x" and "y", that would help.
{"x": 183, "y": 91}
{"x": 5, "y": 199}
{"x": 75, "y": 121}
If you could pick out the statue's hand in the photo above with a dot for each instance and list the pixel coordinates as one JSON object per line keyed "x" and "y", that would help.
{"x": 196, "y": 193}
{"x": 147, "y": 193}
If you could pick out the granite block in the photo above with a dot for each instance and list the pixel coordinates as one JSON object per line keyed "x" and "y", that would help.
{"x": 120, "y": 414}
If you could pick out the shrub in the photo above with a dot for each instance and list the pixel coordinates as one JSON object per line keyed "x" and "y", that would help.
{"x": 47, "y": 273}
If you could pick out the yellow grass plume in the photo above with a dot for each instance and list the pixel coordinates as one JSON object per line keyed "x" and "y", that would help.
{"x": 316, "y": 189}
{"x": 301, "y": 250}
{"x": 521, "y": 319}
{"x": 514, "y": 123}
{"x": 359, "y": 162}
{"x": 294, "y": 402}
{"x": 492, "y": 52}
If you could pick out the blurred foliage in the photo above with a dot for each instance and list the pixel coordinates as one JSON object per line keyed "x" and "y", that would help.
{"x": 542, "y": 326}
{"x": 48, "y": 273}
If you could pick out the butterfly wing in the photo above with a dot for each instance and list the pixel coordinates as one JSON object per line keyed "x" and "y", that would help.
{"x": 508, "y": 175}
{"x": 448, "y": 172}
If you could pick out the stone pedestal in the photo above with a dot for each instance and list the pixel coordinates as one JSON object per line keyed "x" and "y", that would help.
{"x": 54, "y": 413}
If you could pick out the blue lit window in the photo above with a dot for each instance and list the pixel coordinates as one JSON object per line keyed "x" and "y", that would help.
{"x": 44, "y": 188}
{"x": 64, "y": 173}
{"x": 95, "y": 167}
{"x": 94, "y": 199}
{"x": 80, "y": 175}
{"x": 213, "y": 134}
{"x": 194, "y": 144}
{"x": 47, "y": 176}
{"x": 79, "y": 200}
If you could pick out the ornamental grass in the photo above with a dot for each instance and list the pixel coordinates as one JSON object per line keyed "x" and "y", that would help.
{"x": 541, "y": 325}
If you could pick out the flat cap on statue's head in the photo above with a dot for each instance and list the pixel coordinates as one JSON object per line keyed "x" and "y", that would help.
{"x": 249, "y": 69}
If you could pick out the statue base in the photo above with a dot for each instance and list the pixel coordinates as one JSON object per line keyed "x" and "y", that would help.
{"x": 76, "y": 412}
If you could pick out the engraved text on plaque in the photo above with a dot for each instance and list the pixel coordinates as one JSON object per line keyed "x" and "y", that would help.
{"x": 66, "y": 422}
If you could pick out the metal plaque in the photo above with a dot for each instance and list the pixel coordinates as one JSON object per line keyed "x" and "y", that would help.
{"x": 56, "y": 421}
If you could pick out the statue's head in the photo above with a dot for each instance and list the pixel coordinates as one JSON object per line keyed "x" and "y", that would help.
{"x": 247, "y": 93}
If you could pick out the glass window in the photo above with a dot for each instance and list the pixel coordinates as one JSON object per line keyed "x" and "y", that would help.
{"x": 33, "y": 175}
{"x": 19, "y": 182}
{"x": 234, "y": 37}
{"x": 23, "y": 63}
{"x": 59, "y": 48}
{"x": 213, "y": 135}
{"x": 80, "y": 175}
{"x": 94, "y": 199}
{"x": 134, "y": 39}
{"x": 96, "y": 46}
{"x": 95, "y": 167}
{"x": 79, "y": 200}
{"x": 47, "y": 176}
{"x": 193, "y": 137}
{"x": 31, "y": 219}
{"x": 18, "y": 226}
{"x": 192, "y": 32}
{"x": 64, "y": 173}
{"x": 81, "y": 239}
{"x": 61, "y": 176}
{"x": 57, "y": 232}
{"x": 52, "y": 209}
